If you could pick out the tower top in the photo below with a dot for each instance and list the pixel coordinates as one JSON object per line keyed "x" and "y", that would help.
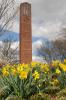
{"x": 25, "y": 3}
{"x": 25, "y": 9}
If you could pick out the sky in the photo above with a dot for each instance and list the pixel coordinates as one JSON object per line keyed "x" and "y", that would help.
{"x": 48, "y": 19}
{"x": 48, "y": 16}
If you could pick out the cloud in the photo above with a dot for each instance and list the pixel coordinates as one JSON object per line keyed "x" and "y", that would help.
{"x": 49, "y": 30}
{"x": 15, "y": 45}
{"x": 46, "y": 10}
{"x": 37, "y": 59}
{"x": 47, "y": 17}
{"x": 15, "y": 26}
{"x": 35, "y": 46}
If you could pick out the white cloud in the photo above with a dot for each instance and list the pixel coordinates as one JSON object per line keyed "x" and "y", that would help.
{"x": 38, "y": 59}
{"x": 20, "y": 1}
{"x": 36, "y": 44}
{"x": 15, "y": 26}
{"x": 47, "y": 17}
{"x": 49, "y": 30}
{"x": 14, "y": 45}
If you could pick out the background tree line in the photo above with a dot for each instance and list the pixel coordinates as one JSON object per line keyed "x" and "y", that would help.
{"x": 54, "y": 50}
{"x": 8, "y": 13}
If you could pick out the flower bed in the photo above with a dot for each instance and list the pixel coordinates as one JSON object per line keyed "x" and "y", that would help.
{"x": 35, "y": 80}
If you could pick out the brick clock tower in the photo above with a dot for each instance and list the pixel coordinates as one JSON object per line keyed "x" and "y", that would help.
{"x": 25, "y": 33}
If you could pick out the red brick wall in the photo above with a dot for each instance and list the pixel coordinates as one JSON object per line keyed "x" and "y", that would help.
{"x": 25, "y": 33}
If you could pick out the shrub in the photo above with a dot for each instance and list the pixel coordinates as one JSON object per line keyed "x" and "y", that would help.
{"x": 62, "y": 93}
{"x": 40, "y": 97}
{"x": 53, "y": 90}
{"x": 13, "y": 97}
{"x": 4, "y": 92}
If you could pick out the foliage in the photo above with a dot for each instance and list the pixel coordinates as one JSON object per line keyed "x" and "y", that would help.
{"x": 25, "y": 80}
{"x": 40, "y": 97}
{"x": 61, "y": 95}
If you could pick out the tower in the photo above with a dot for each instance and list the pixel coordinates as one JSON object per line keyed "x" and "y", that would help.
{"x": 25, "y": 33}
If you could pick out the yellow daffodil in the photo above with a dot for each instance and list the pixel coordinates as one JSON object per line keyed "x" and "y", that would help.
{"x": 36, "y": 75}
{"x": 55, "y": 63}
{"x": 23, "y": 75}
{"x": 58, "y": 71}
{"x": 63, "y": 66}
{"x": 14, "y": 71}
{"x": 27, "y": 67}
{"x": 65, "y": 61}
{"x": 19, "y": 69}
{"x": 5, "y": 72}
{"x": 45, "y": 67}
{"x": 33, "y": 64}
{"x": 7, "y": 66}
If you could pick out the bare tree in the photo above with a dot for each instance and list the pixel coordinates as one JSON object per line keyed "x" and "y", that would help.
{"x": 62, "y": 34}
{"x": 60, "y": 46}
{"x": 8, "y": 54}
{"x": 8, "y": 11}
{"x": 46, "y": 51}
{"x": 55, "y": 50}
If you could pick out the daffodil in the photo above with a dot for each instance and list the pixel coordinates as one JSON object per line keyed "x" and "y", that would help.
{"x": 33, "y": 64}
{"x": 19, "y": 68}
{"x": 58, "y": 71}
{"x": 5, "y": 72}
{"x": 14, "y": 71}
{"x": 63, "y": 66}
{"x": 45, "y": 67}
{"x": 23, "y": 75}
{"x": 36, "y": 75}
{"x": 65, "y": 61}
{"x": 55, "y": 63}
